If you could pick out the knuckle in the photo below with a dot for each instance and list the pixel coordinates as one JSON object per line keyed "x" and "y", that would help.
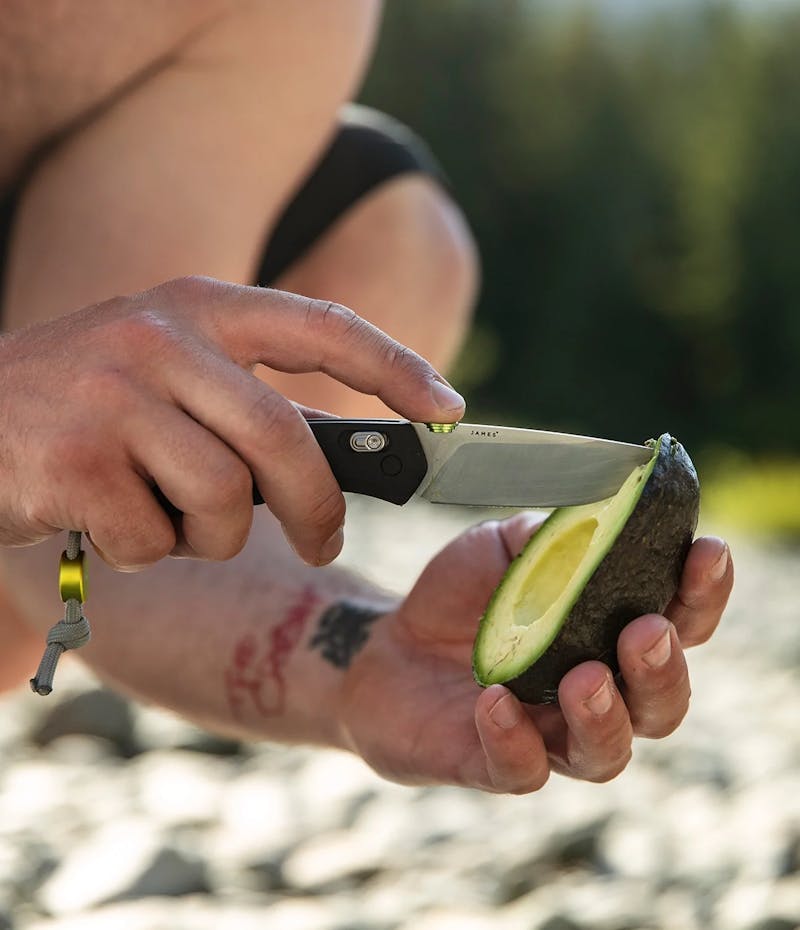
{"x": 34, "y": 513}
{"x": 144, "y": 332}
{"x": 530, "y": 783}
{"x": 611, "y": 770}
{"x": 188, "y": 287}
{"x": 335, "y": 321}
{"x": 234, "y": 544}
{"x": 231, "y": 483}
{"x": 218, "y": 548}
{"x": 270, "y": 416}
{"x": 660, "y": 726}
{"x": 133, "y": 544}
{"x": 400, "y": 359}
{"x": 698, "y": 635}
{"x": 518, "y": 782}
{"x": 151, "y": 546}
{"x": 396, "y": 355}
{"x": 326, "y": 511}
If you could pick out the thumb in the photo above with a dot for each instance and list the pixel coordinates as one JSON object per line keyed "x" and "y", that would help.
{"x": 517, "y": 530}
{"x": 456, "y": 585}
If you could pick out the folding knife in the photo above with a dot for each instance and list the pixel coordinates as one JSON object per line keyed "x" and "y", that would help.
{"x": 471, "y": 464}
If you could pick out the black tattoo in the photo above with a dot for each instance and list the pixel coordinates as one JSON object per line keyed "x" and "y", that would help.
{"x": 343, "y": 629}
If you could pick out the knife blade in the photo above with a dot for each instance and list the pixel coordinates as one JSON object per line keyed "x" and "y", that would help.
{"x": 472, "y": 464}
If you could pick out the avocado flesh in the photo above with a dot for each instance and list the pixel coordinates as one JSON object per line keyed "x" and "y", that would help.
{"x": 585, "y": 574}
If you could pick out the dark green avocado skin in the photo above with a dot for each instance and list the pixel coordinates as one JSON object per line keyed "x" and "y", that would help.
{"x": 640, "y": 575}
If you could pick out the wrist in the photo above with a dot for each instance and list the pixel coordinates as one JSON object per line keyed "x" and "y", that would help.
{"x": 285, "y": 681}
{"x": 343, "y": 640}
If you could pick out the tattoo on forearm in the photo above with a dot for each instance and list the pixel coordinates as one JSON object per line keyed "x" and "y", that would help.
{"x": 257, "y": 677}
{"x": 342, "y": 631}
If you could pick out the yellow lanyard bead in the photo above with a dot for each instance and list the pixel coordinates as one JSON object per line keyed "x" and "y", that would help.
{"x": 72, "y": 577}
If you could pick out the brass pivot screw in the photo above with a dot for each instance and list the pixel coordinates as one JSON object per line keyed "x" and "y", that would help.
{"x": 441, "y": 427}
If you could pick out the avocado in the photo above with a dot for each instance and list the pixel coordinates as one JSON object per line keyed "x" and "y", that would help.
{"x": 586, "y": 573}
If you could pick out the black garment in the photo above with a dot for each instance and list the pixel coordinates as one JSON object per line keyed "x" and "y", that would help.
{"x": 368, "y": 149}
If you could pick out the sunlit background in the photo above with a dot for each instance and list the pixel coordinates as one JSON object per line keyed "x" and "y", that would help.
{"x": 632, "y": 173}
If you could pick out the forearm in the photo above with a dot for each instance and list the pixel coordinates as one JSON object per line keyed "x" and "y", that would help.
{"x": 256, "y": 647}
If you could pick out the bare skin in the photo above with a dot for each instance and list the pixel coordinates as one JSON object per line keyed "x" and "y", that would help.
{"x": 181, "y": 169}
{"x": 61, "y": 64}
{"x": 245, "y": 649}
{"x": 188, "y": 170}
{"x": 411, "y": 231}
{"x": 156, "y": 390}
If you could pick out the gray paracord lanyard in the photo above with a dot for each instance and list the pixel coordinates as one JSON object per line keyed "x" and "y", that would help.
{"x": 73, "y": 631}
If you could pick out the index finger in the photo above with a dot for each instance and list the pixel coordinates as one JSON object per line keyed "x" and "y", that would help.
{"x": 298, "y": 334}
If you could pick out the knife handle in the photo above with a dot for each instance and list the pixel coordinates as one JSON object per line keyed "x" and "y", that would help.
{"x": 379, "y": 458}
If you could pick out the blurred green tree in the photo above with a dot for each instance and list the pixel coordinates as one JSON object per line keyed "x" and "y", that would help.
{"x": 635, "y": 191}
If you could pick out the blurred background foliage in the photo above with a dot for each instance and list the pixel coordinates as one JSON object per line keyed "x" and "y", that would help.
{"x": 634, "y": 186}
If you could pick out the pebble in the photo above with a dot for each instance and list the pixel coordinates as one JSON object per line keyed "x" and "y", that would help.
{"x": 126, "y": 858}
{"x": 179, "y": 787}
{"x": 97, "y": 712}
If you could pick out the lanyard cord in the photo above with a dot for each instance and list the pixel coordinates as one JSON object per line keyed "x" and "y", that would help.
{"x": 73, "y": 631}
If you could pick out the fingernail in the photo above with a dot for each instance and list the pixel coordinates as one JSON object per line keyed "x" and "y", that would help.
{"x": 446, "y": 398}
{"x": 658, "y": 655}
{"x": 505, "y": 712}
{"x": 718, "y": 569}
{"x": 600, "y": 702}
{"x": 332, "y": 547}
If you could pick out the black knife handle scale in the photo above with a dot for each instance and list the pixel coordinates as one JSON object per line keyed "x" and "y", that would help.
{"x": 392, "y": 472}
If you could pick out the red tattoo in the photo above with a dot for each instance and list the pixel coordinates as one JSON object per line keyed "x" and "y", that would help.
{"x": 260, "y": 679}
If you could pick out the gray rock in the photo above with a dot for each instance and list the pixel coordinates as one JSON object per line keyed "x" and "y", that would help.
{"x": 122, "y": 860}
{"x": 97, "y": 712}
{"x": 789, "y": 862}
{"x": 172, "y": 872}
{"x": 588, "y": 900}
{"x": 334, "y": 861}
{"x": 776, "y": 923}
{"x": 559, "y": 923}
{"x": 748, "y": 904}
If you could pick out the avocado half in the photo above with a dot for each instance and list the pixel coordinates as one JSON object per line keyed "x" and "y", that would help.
{"x": 586, "y": 573}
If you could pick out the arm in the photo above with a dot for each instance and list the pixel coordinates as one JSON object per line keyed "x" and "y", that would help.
{"x": 225, "y": 644}
{"x": 264, "y": 647}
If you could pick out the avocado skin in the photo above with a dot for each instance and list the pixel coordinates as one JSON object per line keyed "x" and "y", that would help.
{"x": 639, "y": 575}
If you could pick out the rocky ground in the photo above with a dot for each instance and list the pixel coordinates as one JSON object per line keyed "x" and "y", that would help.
{"x": 117, "y": 816}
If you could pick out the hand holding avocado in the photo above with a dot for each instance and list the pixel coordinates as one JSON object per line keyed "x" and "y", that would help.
{"x": 411, "y": 709}
{"x": 590, "y": 571}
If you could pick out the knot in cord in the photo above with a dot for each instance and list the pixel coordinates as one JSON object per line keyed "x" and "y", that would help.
{"x": 70, "y": 634}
